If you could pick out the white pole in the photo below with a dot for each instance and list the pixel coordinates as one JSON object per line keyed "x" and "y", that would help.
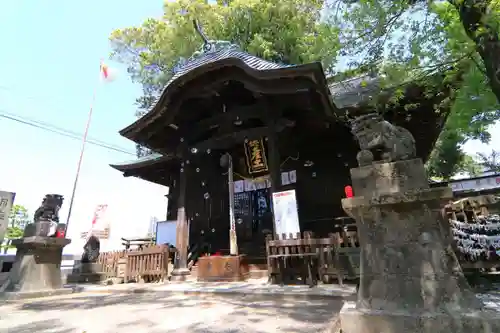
{"x": 233, "y": 241}
{"x": 84, "y": 141}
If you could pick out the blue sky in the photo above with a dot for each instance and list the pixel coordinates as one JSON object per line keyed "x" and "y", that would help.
{"x": 49, "y": 67}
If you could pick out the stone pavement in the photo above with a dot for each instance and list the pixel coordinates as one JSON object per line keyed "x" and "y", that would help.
{"x": 190, "y": 307}
{"x": 157, "y": 312}
{"x": 251, "y": 287}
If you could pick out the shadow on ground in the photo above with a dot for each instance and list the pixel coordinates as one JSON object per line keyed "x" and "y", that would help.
{"x": 44, "y": 326}
{"x": 150, "y": 312}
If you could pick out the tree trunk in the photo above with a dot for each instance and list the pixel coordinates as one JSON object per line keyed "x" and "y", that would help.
{"x": 473, "y": 14}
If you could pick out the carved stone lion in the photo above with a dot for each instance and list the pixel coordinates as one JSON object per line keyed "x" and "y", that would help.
{"x": 380, "y": 140}
{"x": 49, "y": 210}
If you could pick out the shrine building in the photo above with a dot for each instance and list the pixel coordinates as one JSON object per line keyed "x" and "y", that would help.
{"x": 284, "y": 128}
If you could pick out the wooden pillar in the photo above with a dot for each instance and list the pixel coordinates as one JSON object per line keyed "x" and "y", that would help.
{"x": 181, "y": 231}
{"x": 273, "y": 154}
{"x": 173, "y": 195}
{"x": 274, "y": 159}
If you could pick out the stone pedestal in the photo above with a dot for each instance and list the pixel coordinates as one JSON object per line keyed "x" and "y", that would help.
{"x": 87, "y": 273}
{"x": 180, "y": 274}
{"x": 37, "y": 266}
{"x": 410, "y": 280}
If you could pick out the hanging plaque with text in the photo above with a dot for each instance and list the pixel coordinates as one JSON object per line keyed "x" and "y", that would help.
{"x": 255, "y": 156}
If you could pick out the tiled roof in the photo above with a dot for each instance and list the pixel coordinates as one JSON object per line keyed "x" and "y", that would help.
{"x": 354, "y": 91}
{"x": 142, "y": 161}
{"x": 249, "y": 60}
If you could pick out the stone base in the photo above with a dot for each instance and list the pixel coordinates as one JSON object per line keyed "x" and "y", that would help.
{"x": 89, "y": 268}
{"x": 37, "y": 266}
{"x": 180, "y": 274}
{"x": 87, "y": 273}
{"x": 86, "y": 278}
{"x": 366, "y": 321}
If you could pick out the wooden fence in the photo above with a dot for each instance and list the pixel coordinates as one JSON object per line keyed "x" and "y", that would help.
{"x": 110, "y": 263}
{"x": 308, "y": 259}
{"x": 149, "y": 264}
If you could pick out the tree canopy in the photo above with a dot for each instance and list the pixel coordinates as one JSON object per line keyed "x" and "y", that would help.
{"x": 281, "y": 31}
{"x": 491, "y": 161}
{"x": 400, "y": 40}
{"x": 410, "y": 40}
{"x": 18, "y": 219}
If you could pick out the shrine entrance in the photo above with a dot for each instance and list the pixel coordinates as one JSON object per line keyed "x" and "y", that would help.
{"x": 282, "y": 130}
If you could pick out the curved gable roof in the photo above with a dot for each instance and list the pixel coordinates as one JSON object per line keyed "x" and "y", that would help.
{"x": 253, "y": 65}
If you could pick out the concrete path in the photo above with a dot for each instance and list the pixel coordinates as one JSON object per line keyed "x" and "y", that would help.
{"x": 154, "y": 313}
{"x": 250, "y": 287}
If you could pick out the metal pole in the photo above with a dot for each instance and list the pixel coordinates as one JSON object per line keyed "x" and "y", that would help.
{"x": 233, "y": 241}
{"x": 84, "y": 141}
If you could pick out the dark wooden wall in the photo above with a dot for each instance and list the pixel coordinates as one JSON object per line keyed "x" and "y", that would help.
{"x": 319, "y": 187}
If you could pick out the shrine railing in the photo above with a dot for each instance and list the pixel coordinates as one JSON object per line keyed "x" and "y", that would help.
{"x": 149, "y": 264}
{"x": 307, "y": 259}
{"x": 112, "y": 263}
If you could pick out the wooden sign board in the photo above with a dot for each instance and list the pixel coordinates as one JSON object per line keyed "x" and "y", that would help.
{"x": 255, "y": 156}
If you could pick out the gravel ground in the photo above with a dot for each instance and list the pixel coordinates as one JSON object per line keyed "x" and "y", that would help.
{"x": 136, "y": 313}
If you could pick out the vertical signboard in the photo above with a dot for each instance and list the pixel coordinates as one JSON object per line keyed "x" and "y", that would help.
{"x": 286, "y": 216}
{"x": 6, "y": 203}
{"x": 255, "y": 156}
{"x": 165, "y": 232}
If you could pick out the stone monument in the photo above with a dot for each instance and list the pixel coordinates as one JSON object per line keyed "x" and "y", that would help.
{"x": 410, "y": 280}
{"x": 37, "y": 267}
{"x": 89, "y": 269}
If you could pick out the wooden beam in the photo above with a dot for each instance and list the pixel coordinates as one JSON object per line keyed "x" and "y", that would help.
{"x": 230, "y": 139}
{"x": 223, "y": 119}
{"x": 253, "y": 81}
{"x": 233, "y": 113}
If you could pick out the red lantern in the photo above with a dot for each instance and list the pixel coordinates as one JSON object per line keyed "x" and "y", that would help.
{"x": 60, "y": 234}
{"x": 348, "y": 191}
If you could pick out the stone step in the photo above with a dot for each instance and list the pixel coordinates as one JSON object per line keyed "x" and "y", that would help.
{"x": 86, "y": 278}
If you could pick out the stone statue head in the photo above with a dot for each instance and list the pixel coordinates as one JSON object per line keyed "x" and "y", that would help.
{"x": 367, "y": 130}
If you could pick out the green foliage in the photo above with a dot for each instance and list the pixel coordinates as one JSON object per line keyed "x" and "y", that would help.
{"x": 491, "y": 161}
{"x": 447, "y": 159}
{"x": 281, "y": 31}
{"x": 401, "y": 40}
{"x": 446, "y": 156}
{"x": 410, "y": 41}
{"x": 18, "y": 219}
{"x": 470, "y": 166}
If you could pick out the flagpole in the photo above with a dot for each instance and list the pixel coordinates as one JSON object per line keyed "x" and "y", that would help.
{"x": 82, "y": 150}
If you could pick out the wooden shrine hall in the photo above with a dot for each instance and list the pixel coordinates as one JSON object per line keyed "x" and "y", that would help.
{"x": 283, "y": 127}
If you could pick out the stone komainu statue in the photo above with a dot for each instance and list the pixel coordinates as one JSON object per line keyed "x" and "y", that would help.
{"x": 91, "y": 250}
{"x": 46, "y": 218}
{"x": 49, "y": 210}
{"x": 380, "y": 140}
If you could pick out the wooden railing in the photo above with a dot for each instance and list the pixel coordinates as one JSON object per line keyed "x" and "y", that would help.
{"x": 291, "y": 259}
{"x": 111, "y": 263}
{"x": 149, "y": 264}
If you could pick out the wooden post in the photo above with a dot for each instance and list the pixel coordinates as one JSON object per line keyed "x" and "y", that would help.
{"x": 233, "y": 240}
{"x": 273, "y": 159}
{"x": 272, "y": 146}
{"x": 181, "y": 231}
